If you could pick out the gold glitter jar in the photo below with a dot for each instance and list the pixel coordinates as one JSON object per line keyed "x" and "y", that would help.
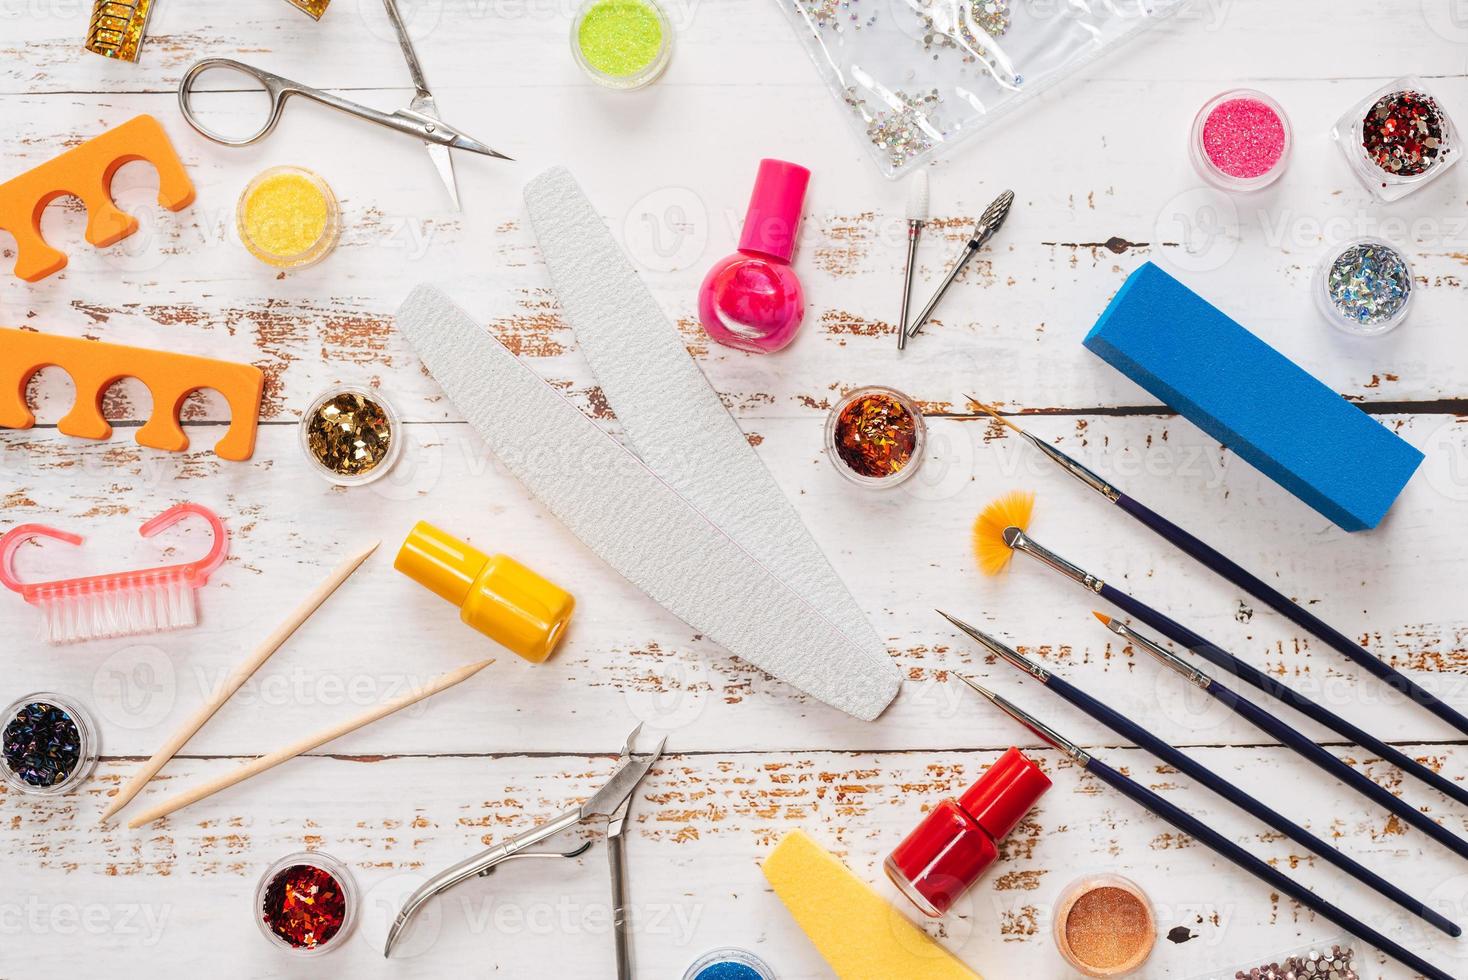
{"x": 351, "y": 435}
{"x": 288, "y": 217}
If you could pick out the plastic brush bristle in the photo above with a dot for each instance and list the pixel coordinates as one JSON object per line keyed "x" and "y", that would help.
{"x": 129, "y": 609}
{"x": 1011, "y": 510}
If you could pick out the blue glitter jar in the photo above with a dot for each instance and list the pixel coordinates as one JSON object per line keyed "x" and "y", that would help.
{"x": 729, "y": 963}
{"x": 1365, "y": 288}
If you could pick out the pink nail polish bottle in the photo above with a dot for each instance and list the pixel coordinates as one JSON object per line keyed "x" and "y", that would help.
{"x": 752, "y": 300}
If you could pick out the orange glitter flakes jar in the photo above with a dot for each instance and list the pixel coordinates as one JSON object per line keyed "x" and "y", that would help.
{"x": 1104, "y": 926}
{"x": 875, "y": 437}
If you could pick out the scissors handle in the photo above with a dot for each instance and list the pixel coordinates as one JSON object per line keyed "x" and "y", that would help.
{"x": 279, "y": 89}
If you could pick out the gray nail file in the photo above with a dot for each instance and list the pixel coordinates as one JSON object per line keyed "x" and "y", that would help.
{"x": 636, "y": 521}
{"x": 671, "y": 415}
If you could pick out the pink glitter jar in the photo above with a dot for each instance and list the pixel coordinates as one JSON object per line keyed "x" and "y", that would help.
{"x": 1241, "y": 140}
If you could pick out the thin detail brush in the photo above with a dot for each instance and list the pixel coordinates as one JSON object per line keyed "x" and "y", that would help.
{"x": 1231, "y": 571}
{"x": 917, "y": 217}
{"x": 1200, "y": 773}
{"x": 1012, "y": 538}
{"x": 1214, "y": 840}
{"x": 1291, "y": 738}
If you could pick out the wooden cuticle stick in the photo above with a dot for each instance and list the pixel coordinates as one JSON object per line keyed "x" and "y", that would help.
{"x": 262, "y": 653}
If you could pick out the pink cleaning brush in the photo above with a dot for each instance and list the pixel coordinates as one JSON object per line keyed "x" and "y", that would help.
{"x": 123, "y": 604}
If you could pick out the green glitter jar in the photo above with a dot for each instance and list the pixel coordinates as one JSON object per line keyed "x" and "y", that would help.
{"x": 623, "y": 44}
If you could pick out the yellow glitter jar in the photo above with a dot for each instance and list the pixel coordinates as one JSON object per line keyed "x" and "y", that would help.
{"x": 622, "y": 44}
{"x": 288, "y": 218}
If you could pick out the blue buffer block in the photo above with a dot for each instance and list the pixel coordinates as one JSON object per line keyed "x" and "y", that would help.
{"x": 1253, "y": 399}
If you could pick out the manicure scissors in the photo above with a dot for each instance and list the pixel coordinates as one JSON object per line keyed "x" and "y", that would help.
{"x": 610, "y": 801}
{"x": 420, "y": 119}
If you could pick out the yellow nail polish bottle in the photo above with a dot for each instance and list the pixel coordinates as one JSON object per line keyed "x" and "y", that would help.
{"x": 496, "y": 595}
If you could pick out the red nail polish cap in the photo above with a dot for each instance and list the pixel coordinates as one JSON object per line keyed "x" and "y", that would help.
{"x": 956, "y": 842}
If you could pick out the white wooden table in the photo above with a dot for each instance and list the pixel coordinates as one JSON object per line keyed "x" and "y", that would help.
{"x": 1103, "y": 183}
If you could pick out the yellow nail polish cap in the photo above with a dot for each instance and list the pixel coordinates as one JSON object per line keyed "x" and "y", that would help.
{"x": 496, "y": 595}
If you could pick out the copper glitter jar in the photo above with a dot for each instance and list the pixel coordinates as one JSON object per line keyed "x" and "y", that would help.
{"x": 1104, "y": 926}
{"x": 306, "y": 903}
{"x": 351, "y": 435}
{"x": 875, "y": 437}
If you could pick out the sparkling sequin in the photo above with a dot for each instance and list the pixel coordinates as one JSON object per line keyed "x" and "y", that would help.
{"x": 349, "y": 434}
{"x": 1369, "y": 283}
{"x": 41, "y": 744}
{"x": 902, "y": 133}
{"x": 875, "y": 435}
{"x": 1243, "y": 138}
{"x": 1337, "y": 964}
{"x": 304, "y": 905}
{"x": 1403, "y": 133}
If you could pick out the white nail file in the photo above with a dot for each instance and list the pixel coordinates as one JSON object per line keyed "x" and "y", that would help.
{"x": 636, "y": 521}
{"x": 671, "y": 415}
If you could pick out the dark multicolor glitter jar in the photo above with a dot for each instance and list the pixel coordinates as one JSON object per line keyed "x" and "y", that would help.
{"x": 1364, "y": 288}
{"x": 306, "y": 903}
{"x": 1398, "y": 138}
{"x": 875, "y": 437}
{"x": 351, "y": 435}
{"x": 48, "y": 745}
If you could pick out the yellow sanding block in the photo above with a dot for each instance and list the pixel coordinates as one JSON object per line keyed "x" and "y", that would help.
{"x": 861, "y": 936}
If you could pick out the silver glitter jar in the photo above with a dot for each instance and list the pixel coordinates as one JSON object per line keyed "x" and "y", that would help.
{"x": 1365, "y": 287}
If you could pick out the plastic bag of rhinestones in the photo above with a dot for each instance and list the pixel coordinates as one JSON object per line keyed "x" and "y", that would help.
{"x": 1336, "y": 960}
{"x": 919, "y": 76}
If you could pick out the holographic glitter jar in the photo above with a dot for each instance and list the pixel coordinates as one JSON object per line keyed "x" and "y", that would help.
{"x": 1241, "y": 140}
{"x": 729, "y": 963}
{"x": 1398, "y": 138}
{"x": 306, "y": 903}
{"x": 875, "y": 437}
{"x": 48, "y": 744}
{"x": 288, "y": 217}
{"x": 1365, "y": 288}
{"x": 351, "y": 435}
{"x": 622, "y": 44}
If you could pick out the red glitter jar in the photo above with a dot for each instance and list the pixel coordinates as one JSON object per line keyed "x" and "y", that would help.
{"x": 875, "y": 437}
{"x": 1241, "y": 140}
{"x": 306, "y": 903}
{"x": 958, "y": 841}
{"x": 1398, "y": 138}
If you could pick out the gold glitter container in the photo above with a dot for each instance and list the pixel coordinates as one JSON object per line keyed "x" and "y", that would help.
{"x": 288, "y": 217}
{"x": 876, "y": 436}
{"x": 351, "y": 435}
{"x": 313, "y": 7}
{"x": 117, "y": 28}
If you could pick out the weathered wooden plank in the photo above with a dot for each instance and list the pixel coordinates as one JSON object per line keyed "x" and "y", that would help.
{"x": 902, "y": 553}
{"x": 179, "y": 892}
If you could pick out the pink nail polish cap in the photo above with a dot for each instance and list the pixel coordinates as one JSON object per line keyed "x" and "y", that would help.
{"x": 774, "y": 209}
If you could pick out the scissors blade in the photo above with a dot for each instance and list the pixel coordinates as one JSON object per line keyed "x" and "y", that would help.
{"x": 618, "y": 790}
{"x": 425, "y": 108}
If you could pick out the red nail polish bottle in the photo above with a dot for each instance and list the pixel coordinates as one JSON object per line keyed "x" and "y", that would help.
{"x": 955, "y": 844}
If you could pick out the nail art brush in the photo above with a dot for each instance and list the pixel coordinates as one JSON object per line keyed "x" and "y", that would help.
{"x": 917, "y": 217}
{"x": 1293, "y": 739}
{"x": 1001, "y": 530}
{"x": 989, "y": 222}
{"x": 242, "y": 673}
{"x": 256, "y": 766}
{"x": 1201, "y": 774}
{"x": 1214, "y": 840}
{"x": 1234, "y": 573}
